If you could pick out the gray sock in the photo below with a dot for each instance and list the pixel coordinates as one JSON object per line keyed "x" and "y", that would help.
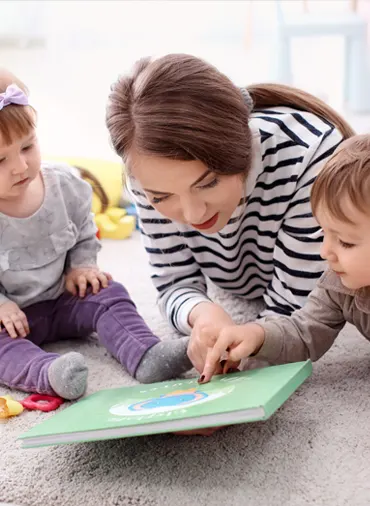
{"x": 68, "y": 375}
{"x": 163, "y": 361}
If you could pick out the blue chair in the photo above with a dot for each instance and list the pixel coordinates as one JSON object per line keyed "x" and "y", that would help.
{"x": 348, "y": 24}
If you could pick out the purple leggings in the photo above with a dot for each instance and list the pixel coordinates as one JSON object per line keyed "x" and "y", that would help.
{"x": 111, "y": 313}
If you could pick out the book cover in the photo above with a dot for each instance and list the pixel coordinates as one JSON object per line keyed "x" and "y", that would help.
{"x": 172, "y": 406}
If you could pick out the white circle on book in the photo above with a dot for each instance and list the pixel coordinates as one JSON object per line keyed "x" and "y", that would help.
{"x": 178, "y": 399}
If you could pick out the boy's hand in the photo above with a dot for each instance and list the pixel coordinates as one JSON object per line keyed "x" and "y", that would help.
{"x": 78, "y": 279}
{"x": 235, "y": 341}
{"x": 13, "y": 319}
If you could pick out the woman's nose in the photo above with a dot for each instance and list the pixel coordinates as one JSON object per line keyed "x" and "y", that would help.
{"x": 194, "y": 210}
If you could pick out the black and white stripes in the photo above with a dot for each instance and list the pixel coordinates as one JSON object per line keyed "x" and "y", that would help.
{"x": 270, "y": 246}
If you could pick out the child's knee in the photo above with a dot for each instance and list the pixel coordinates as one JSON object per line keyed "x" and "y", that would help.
{"x": 116, "y": 289}
{"x": 114, "y": 293}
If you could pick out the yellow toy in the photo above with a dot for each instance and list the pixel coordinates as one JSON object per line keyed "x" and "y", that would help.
{"x": 9, "y": 407}
{"x": 107, "y": 181}
{"x": 115, "y": 224}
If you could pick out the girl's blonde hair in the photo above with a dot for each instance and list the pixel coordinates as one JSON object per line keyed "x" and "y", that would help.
{"x": 181, "y": 107}
{"x": 346, "y": 175}
{"x": 15, "y": 120}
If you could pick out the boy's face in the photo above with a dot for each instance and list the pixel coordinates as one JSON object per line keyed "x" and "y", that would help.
{"x": 346, "y": 246}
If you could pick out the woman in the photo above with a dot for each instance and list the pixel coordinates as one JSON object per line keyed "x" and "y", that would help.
{"x": 221, "y": 177}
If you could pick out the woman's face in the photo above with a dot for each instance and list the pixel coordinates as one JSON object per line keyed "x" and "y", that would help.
{"x": 187, "y": 192}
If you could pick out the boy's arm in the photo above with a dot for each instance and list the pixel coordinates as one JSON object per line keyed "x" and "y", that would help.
{"x": 308, "y": 333}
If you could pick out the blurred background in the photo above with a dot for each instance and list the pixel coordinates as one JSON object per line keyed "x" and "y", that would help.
{"x": 69, "y": 52}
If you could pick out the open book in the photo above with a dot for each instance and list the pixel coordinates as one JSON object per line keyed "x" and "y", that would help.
{"x": 172, "y": 406}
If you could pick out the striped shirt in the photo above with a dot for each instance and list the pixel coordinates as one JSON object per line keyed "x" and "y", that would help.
{"x": 270, "y": 246}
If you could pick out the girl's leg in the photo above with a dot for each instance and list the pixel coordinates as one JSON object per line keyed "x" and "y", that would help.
{"x": 113, "y": 315}
{"x": 25, "y": 366}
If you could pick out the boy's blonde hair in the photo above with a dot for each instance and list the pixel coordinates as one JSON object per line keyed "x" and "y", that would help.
{"x": 346, "y": 175}
{"x": 15, "y": 120}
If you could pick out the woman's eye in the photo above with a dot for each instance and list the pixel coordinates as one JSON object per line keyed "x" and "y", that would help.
{"x": 346, "y": 244}
{"x": 212, "y": 184}
{"x": 27, "y": 147}
{"x": 158, "y": 200}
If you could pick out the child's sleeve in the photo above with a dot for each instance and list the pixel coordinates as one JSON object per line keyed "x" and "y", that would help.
{"x": 3, "y": 298}
{"x": 78, "y": 198}
{"x": 308, "y": 333}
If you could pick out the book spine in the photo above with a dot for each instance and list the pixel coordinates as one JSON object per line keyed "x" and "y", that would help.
{"x": 296, "y": 381}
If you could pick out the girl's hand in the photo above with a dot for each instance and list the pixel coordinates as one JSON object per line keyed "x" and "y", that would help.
{"x": 78, "y": 279}
{"x": 237, "y": 342}
{"x": 14, "y": 320}
{"x": 206, "y": 319}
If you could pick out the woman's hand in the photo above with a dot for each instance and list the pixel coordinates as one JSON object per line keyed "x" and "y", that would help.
{"x": 207, "y": 319}
{"x": 199, "y": 432}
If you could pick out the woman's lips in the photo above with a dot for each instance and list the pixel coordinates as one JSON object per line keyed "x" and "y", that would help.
{"x": 207, "y": 224}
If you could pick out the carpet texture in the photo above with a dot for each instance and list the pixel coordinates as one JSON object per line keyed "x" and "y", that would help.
{"x": 314, "y": 451}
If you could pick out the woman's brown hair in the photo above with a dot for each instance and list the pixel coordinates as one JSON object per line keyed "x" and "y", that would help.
{"x": 180, "y": 107}
{"x": 15, "y": 120}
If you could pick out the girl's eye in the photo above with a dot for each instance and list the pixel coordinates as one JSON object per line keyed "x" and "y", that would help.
{"x": 158, "y": 200}
{"x": 26, "y": 148}
{"x": 2, "y": 160}
{"x": 212, "y": 184}
{"x": 346, "y": 244}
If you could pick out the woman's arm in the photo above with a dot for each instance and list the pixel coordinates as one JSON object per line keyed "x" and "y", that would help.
{"x": 175, "y": 274}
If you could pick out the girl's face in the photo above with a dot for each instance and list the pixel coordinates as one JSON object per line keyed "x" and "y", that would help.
{"x": 19, "y": 165}
{"x": 187, "y": 192}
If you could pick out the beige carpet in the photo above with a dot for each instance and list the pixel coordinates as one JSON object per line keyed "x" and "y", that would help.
{"x": 314, "y": 451}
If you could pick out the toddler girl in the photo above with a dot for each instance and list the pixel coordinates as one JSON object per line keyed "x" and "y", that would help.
{"x": 50, "y": 285}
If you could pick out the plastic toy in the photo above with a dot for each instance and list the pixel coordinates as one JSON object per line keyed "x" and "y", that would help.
{"x": 115, "y": 223}
{"x": 9, "y": 407}
{"x": 42, "y": 402}
{"x": 107, "y": 181}
{"x": 106, "y": 178}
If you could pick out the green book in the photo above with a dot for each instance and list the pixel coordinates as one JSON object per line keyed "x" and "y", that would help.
{"x": 172, "y": 406}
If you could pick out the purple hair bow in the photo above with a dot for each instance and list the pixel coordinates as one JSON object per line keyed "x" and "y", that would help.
{"x": 13, "y": 95}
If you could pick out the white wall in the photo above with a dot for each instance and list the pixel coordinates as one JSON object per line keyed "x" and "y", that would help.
{"x": 89, "y": 43}
{"x": 22, "y": 19}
